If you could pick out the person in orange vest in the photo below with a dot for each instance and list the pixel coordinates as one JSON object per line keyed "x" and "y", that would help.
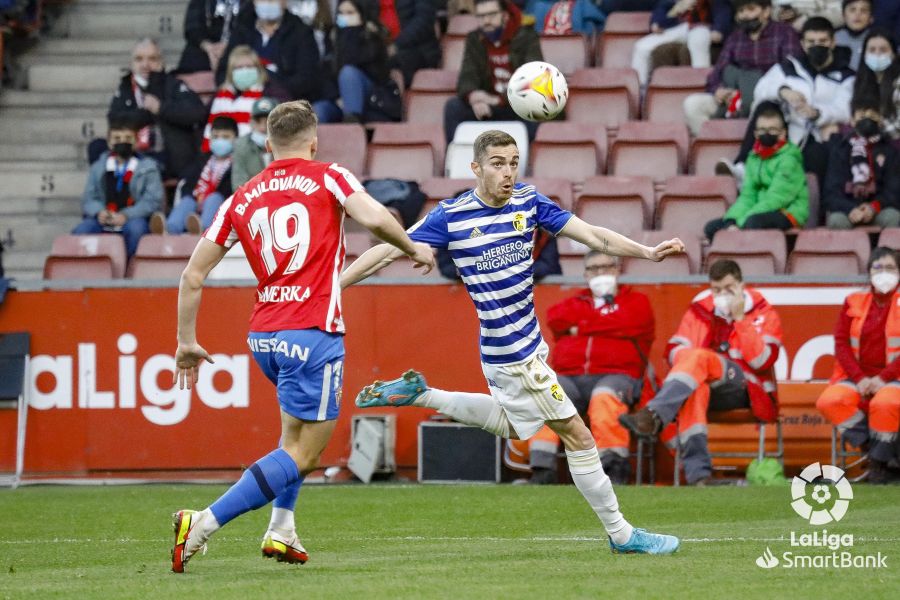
{"x": 603, "y": 336}
{"x": 722, "y": 358}
{"x": 867, "y": 367}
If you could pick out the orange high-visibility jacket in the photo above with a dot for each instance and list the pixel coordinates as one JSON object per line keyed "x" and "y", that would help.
{"x": 858, "y": 304}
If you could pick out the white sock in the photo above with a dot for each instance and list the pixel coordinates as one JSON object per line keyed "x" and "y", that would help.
{"x": 480, "y": 410}
{"x": 282, "y": 521}
{"x": 207, "y": 525}
{"x": 597, "y": 489}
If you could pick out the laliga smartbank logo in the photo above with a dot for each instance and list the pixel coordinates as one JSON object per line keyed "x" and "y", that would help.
{"x": 821, "y": 494}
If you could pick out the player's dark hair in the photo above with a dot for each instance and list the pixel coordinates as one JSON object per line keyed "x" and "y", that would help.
{"x": 817, "y": 24}
{"x": 769, "y": 109}
{"x": 226, "y": 124}
{"x": 879, "y": 253}
{"x": 724, "y": 267}
{"x": 492, "y": 137}
{"x": 290, "y": 120}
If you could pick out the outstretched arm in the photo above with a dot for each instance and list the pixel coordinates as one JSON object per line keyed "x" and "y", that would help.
{"x": 372, "y": 215}
{"x": 609, "y": 242}
{"x": 189, "y": 353}
{"x": 373, "y": 260}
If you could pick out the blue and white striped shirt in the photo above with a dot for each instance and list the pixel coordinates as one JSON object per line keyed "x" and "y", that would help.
{"x": 492, "y": 249}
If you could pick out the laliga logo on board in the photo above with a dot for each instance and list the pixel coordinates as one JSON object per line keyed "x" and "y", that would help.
{"x": 815, "y": 513}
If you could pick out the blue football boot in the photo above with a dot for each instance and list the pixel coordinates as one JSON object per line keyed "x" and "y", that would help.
{"x": 644, "y": 542}
{"x": 398, "y": 392}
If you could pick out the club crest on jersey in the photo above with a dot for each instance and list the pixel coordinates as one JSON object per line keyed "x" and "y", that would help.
{"x": 520, "y": 221}
{"x": 556, "y": 392}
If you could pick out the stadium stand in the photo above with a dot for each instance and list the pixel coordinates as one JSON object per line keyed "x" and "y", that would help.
{"x": 676, "y": 266}
{"x": 567, "y": 52}
{"x": 161, "y": 256}
{"x": 344, "y": 143}
{"x": 616, "y": 90}
{"x": 758, "y": 252}
{"x": 718, "y": 138}
{"x": 459, "y": 152}
{"x": 639, "y": 144}
{"x": 689, "y": 201}
{"x": 668, "y": 88}
{"x": 452, "y": 48}
{"x": 441, "y": 188}
{"x": 621, "y": 31}
{"x": 558, "y": 190}
{"x": 573, "y": 151}
{"x": 890, "y": 237}
{"x": 400, "y": 150}
{"x": 86, "y": 257}
{"x": 829, "y": 252}
{"x": 427, "y": 95}
{"x": 624, "y": 204}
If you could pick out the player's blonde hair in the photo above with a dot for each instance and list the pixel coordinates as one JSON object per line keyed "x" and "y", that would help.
{"x": 290, "y": 123}
{"x": 492, "y": 137}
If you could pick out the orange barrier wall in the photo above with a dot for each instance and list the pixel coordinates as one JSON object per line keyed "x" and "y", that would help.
{"x": 102, "y": 394}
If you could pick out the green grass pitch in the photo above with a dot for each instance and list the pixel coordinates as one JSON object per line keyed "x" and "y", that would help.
{"x": 419, "y": 541}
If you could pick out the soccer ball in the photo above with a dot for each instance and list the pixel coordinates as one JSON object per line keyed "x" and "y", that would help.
{"x": 537, "y": 91}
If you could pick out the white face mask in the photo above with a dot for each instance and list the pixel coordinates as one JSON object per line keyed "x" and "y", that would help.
{"x": 603, "y": 285}
{"x": 259, "y": 138}
{"x": 884, "y": 281}
{"x": 722, "y": 302}
{"x": 141, "y": 81}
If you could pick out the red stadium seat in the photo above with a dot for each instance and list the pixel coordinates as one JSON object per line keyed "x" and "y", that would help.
{"x": 426, "y": 96}
{"x": 812, "y": 185}
{"x": 357, "y": 242}
{"x": 452, "y": 48}
{"x": 86, "y": 257}
{"x": 567, "y": 150}
{"x": 410, "y": 151}
{"x": 668, "y": 88}
{"x": 461, "y": 25}
{"x": 162, "y": 256}
{"x": 558, "y": 190}
{"x": 828, "y": 252}
{"x": 442, "y": 188}
{"x": 673, "y": 266}
{"x": 621, "y": 31}
{"x": 606, "y": 96}
{"x": 202, "y": 83}
{"x": 343, "y": 143}
{"x": 568, "y": 52}
{"x": 890, "y": 237}
{"x": 758, "y": 252}
{"x": 718, "y": 138}
{"x": 688, "y": 202}
{"x": 623, "y": 204}
{"x": 657, "y": 149}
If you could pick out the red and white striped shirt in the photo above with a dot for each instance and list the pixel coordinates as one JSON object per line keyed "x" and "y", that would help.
{"x": 230, "y": 103}
{"x": 290, "y": 221}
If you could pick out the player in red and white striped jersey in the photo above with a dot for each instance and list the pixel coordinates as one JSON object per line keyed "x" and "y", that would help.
{"x": 290, "y": 221}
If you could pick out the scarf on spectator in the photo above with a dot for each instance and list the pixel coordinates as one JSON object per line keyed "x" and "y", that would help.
{"x": 767, "y": 152}
{"x": 862, "y": 176}
{"x": 388, "y": 17}
{"x": 559, "y": 18}
{"x": 146, "y": 137}
{"x": 210, "y": 178}
{"x": 231, "y": 103}
{"x": 118, "y": 178}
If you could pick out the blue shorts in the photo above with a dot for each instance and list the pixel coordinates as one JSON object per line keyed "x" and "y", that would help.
{"x": 307, "y": 367}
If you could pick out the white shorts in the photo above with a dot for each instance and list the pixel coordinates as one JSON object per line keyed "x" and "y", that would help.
{"x": 528, "y": 393}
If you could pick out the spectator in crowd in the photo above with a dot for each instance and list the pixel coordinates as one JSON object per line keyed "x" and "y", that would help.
{"x": 205, "y": 185}
{"x": 774, "y": 193}
{"x": 887, "y": 16}
{"x": 863, "y": 398}
{"x": 367, "y": 90}
{"x": 169, "y": 114}
{"x": 491, "y": 54}
{"x": 414, "y": 44}
{"x": 250, "y": 154}
{"x": 756, "y": 44}
{"x": 723, "y": 357}
{"x": 879, "y": 77}
{"x": 317, "y": 15}
{"x": 603, "y": 337}
{"x": 564, "y": 18}
{"x": 697, "y": 23}
{"x": 208, "y": 24}
{"x": 857, "y": 22}
{"x": 123, "y": 189}
{"x": 863, "y": 182}
{"x": 288, "y": 52}
{"x": 796, "y": 12}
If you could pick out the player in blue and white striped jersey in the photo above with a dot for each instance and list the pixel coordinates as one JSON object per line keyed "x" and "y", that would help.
{"x": 489, "y": 232}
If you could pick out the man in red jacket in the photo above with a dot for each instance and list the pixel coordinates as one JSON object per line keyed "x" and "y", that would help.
{"x": 603, "y": 336}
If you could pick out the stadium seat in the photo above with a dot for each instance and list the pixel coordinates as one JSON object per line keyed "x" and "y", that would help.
{"x": 452, "y": 48}
{"x": 668, "y": 88}
{"x": 829, "y": 253}
{"x": 568, "y": 52}
{"x": 426, "y": 96}
{"x": 234, "y": 265}
{"x": 674, "y": 266}
{"x": 459, "y": 152}
{"x": 758, "y": 252}
{"x": 409, "y": 151}
{"x": 815, "y": 214}
{"x": 689, "y": 201}
{"x": 623, "y": 204}
{"x": 621, "y": 31}
{"x": 357, "y": 242}
{"x": 343, "y": 143}
{"x": 718, "y": 138}
{"x": 162, "y": 256}
{"x": 442, "y": 188}
{"x": 86, "y": 257}
{"x": 202, "y": 83}
{"x": 890, "y": 237}
{"x": 573, "y": 151}
{"x": 558, "y": 190}
{"x": 657, "y": 149}
{"x": 606, "y": 96}
{"x": 460, "y": 25}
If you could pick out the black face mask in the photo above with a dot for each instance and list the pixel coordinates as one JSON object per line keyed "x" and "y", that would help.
{"x": 819, "y": 56}
{"x": 750, "y": 25}
{"x": 868, "y": 127}
{"x": 123, "y": 150}
{"x": 767, "y": 140}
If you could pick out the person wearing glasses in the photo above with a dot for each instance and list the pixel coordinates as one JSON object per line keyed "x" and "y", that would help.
{"x": 774, "y": 193}
{"x": 863, "y": 398}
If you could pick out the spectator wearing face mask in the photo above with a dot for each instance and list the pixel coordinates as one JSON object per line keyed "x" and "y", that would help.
{"x": 863, "y": 182}
{"x": 316, "y": 14}
{"x": 879, "y": 77}
{"x": 205, "y": 185}
{"x": 750, "y": 50}
{"x": 603, "y": 337}
{"x": 170, "y": 115}
{"x": 774, "y": 193}
{"x": 863, "y": 398}
{"x": 250, "y": 153}
{"x": 123, "y": 189}
{"x": 857, "y": 22}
